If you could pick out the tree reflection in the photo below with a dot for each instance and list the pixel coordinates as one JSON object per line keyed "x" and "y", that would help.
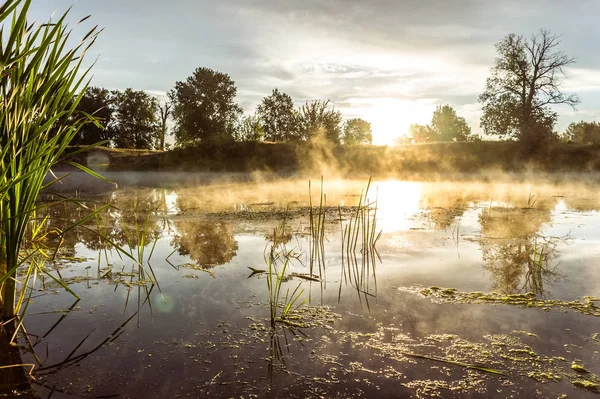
{"x": 518, "y": 257}
{"x": 131, "y": 214}
{"x": 209, "y": 243}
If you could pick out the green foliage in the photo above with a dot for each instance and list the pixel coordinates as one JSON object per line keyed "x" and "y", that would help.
{"x": 41, "y": 86}
{"x": 445, "y": 125}
{"x": 278, "y": 117}
{"x": 582, "y": 133}
{"x": 250, "y": 129}
{"x": 357, "y": 131}
{"x": 98, "y": 102}
{"x": 135, "y": 120}
{"x": 525, "y": 82}
{"x": 316, "y": 118}
{"x": 204, "y": 108}
{"x": 421, "y": 133}
{"x": 448, "y": 126}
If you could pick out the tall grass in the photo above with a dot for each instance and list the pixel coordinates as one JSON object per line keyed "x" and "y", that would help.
{"x": 41, "y": 84}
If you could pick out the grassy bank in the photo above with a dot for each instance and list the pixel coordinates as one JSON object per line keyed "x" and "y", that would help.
{"x": 422, "y": 159}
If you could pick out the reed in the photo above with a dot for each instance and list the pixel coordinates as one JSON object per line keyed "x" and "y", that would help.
{"x": 317, "y": 231}
{"x": 280, "y": 306}
{"x": 41, "y": 84}
{"x": 138, "y": 236}
{"x": 359, "y": 251}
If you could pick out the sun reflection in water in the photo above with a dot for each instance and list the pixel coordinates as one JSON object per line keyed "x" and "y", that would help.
{"x": 171, "y": 203}
{"x": 398, "y": 202}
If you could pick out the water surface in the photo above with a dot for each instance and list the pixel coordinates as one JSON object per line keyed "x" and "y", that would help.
{"x": 195, "y": 320}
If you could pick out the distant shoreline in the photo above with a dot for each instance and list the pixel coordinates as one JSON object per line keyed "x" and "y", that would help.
{"x": 406, "y": 162}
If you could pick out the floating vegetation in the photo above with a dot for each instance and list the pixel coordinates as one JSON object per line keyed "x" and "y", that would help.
{"x": 193, "y": 266}
{"x": 456, "y": 363}
{"x": 578, "y": 368}
{"x": 585, "y": 384}
{"x": 586, "y": 306}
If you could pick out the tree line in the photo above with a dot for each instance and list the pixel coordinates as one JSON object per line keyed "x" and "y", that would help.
{"x": 203, "y": 110}
{"x": 127, "y": 119}
{"x": 518, "y": 103}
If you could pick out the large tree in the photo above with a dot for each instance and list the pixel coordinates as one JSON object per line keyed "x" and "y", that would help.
{"x": 204, "y": 108}
{"x": 525, "y": 82}
{"x": 583, "y": 133}
{"x": 445, "y": 125}
{"x": 135, "y": 120}
{"x": 357, "y": 131}
{"x": 316, "y": 118}
{"x": 278, "y": 117}
{"x": 98, "y": 102}
{"x": 448, "y": 126}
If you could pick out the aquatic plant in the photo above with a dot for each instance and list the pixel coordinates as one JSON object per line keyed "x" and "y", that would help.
{"x": 359, "y": 235}
{"x": 317, "y": 231}
{"x": 280, "y": 307}
{"x": 41, "y": 85}
{"x": 137, "y": 237}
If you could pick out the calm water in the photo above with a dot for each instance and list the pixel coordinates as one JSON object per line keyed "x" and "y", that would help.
{"x": 203, "y": 328}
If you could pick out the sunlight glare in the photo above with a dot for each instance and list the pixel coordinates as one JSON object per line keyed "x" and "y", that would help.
{"x": 391, "y": 118}
{"x": 398, "y": 202}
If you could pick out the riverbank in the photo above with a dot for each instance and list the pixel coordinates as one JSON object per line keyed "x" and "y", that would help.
{"x": 408, "y": 161}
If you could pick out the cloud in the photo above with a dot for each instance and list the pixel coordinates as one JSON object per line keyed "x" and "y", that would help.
{"x": 360, "y": 55}
{"x": 582, "y": 79}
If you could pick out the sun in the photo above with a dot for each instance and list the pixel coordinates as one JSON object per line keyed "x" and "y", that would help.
{"x": 391, "y": 118}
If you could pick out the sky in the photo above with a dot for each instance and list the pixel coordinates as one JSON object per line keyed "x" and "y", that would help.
{"x": 390, "y": 62}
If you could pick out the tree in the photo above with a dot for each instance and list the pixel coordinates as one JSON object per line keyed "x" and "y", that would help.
{"x": 357, "y": 131}
{"x": 250, "y": 129}
{"x": 315, "y": 118}
{"x": 525, "y": 82}
{"x": 448, "y": 126}
{"x": 135, "y": 123}
{"x": 164, "y": 111}
{"x": 204, "y": 108}
{"x": 445, "y": 125}
{"x": 421, "y": 133}
{"x": 98, "y": 102}
{"x": 583, "y": 133}
{"x": 278, "y": 117}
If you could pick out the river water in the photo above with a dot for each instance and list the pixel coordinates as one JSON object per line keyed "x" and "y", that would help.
{"x": 466, "y": 288}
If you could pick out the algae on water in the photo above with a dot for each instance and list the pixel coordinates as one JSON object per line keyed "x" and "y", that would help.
{"x": 587, "y": 305}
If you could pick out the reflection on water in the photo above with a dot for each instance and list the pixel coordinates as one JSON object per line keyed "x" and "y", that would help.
{"x": 518, "y": 257}
{"x": 507, "y": 238}
{"x": 207, "y": 242}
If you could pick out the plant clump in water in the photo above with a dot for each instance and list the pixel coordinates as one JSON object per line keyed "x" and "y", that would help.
{"x": 586, "y": 306}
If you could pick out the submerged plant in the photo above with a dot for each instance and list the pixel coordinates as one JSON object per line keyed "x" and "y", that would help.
{"x": 41, "y": 84}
